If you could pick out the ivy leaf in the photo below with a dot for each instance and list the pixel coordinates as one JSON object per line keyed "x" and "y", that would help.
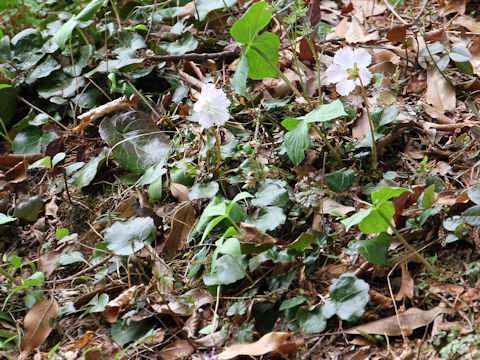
{"x": 271, "y": 192}
{"x": 203, "y": 191}
{"x": 340, "y": 180}
{"x": 127, "y": 238}
{"x": 375, "y": 250}
{"x": 87, "y": 173}
{"x": 472, "y": 216}
{"x": 31, "y": 140}
{"x": 474, "y": 194}
{"x": 268, "y": 219}
{"x": 228, "y": 269}
{"x": 311, "y": 322}
{"x": 348, "y": 297}
{"x": 129, "y": 42}
{"x": 297, "y": 141}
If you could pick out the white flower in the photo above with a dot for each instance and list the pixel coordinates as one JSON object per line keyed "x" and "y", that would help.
{"x": 212, "y": 106}
{"x": 348, "y": 68}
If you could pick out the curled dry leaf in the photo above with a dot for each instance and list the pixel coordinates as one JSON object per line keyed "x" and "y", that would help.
{"x": 178, "y": 350}
{"x": 440, "y": 93}
{"x": 179, "y": 191}
{"x": 267, "y": 343}
{"x": 407, "y": 287}
{"x": 182, "y": 223}
{"x": 452, "y": 6}
{"x": 330, "y": 204}
{"x": 255, "y": 235}
{"x": 113, "y": 308}
{"x": 38, "y": 324}
{"x": 410, "y": 320}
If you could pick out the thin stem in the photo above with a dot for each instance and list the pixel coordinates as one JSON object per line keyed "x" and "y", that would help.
{"x": 330, "y": 146}
{"x": 317, "y": 64}
{"x": 406, "y": 244}
{"x": 372, "y": 126}
{"x": 10, "y": 277}
{"x": 219, "y": 150}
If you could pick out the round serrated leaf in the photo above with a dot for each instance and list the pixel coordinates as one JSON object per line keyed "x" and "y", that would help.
{"x": 127, "y": 238}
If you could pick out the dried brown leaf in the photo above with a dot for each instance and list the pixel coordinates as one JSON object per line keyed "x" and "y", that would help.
{"x": 440, "y": 93}
{"x": 179, "y": 191}
{"x": 182, "y": 223}
{"x": 410, "y": 320}
{"x": 452, "y": 6}
{"x": 357, "y": 33}
{"x": 267, "y": 343}
{"x": 255, "y": 235}
{"x": 468, "y": 22}
{"x": 38, "y": 324}
{"x": 397, "y": 34}
{"x": 407, "y": 287}
{"x": 113, "y": 308}
{"x": 330, "y": 204}
{"x": 177, "y": 350}
{"x": 370, "y": 7}
{"x": 361, "y": 127}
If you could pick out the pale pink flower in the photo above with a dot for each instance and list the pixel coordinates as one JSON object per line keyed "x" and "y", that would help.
{"x": 212, "y": 106}
{"x": 348, "y": 68}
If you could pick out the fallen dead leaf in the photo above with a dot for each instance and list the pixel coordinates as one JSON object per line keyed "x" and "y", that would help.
{"x": 452, "y": 6}
{"x": 267, "y": 343}
{"x": 407, "y": 287}
{"x": 369, "y": 8}
{"x": 255, "y": 235}
{"x": 11, "y": 160}
{"x": 113, "y": 308}
{"x": 380, "y": 299}
{"x": 467, "y": 22}
{"x": 357, "y": 33}
{"x": 38, "y": 324}
{"x": 440, "y": 93}
{"x": 179, "y": 191}
{"x": 361, "y": 127}
{"x": 177, "y": 350}
{"x": 182, "y": 223}
{"x": 410, "y": 320}
{"x": 330, "y": 204}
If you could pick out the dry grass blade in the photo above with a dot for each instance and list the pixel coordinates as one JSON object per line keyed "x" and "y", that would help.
{"x": 38, "y": 324}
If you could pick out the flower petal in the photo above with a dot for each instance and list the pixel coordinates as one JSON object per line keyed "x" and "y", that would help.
{"x": 344, "y": 58}
{"x": 345, "y": 87}
{"x": 362, "y": 58}
{"x": 336, "y": 73}
{"x": 206, "y": 119}
{"x": 365, "y": 75}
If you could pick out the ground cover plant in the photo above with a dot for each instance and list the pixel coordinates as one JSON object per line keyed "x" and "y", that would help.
{"x": 239, "y": 179}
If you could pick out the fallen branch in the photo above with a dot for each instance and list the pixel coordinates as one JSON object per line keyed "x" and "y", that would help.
{"x": 194, "y": 57}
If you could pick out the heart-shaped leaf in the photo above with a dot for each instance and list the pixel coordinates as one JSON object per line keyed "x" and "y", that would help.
{"x": 127, "y": 238}
{"x": 340, "y": 180}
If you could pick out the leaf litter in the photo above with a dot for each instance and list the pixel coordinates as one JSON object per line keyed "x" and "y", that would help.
{"x": 261, "y": 237}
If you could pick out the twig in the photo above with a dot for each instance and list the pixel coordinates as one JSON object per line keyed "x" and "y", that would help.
{"x": 394, "y": 12}
{"x": 195, "y": 57}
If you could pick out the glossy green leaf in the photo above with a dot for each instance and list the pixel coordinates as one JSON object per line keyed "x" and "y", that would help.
{"x": 204, "y": 7}
{"x": 474, "y": 194}
{"x": 327, "y": 112}
{"x": 60, "y": 84}
{"x": 271, "y": 192}
{"x": 27, "y": 48}
{"x": 375, "y": 250}
{"x": 268, "y": 218}
{"x": 386, "y": 193}
{"x": 263, "y": 56}
{"x": 8, "y": 104}
{"x": 374, "y": 222}
{"x": 116, "y": 66}
{"x": 137, "y": 142}
{"x": 428, "y": 197}
{"x": 186, "y": 44}
{"x": 124, "y": 333}
{"x": 155, "y": 190}
{"x": 228, "y": 269}
{"x": 42, "y": 70}
{"x": 87, "y": 173}
{"x": 62, "y": 36}
{"x": 129, "y": 237}
{"x": 355, "y": 219}
{"x": 46, "y": 162}
{"x": 80, "y": 61}
{"x": 472, "y": 215}
{"x": 465, "y": 67}
{"x": 31, "y": 140}
{"x": 340, "y": 180}
{"x": 239, "y": 80}
{"x": 348, "y": 297}
{"x": 203, "y": 191}
{"x": 434, "y": 48}
{"x": 249, "y": 25}
{"x": 297, "y": 141}
{"x": 311, "y": 322}
{"x": 292, "y": 302}
{"x": 4, "y": 219}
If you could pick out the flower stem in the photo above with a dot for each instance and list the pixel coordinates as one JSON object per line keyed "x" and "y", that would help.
{"x": 219, "y": 151}
{"x": 330, "y": 146}
{"x": 406, "y": 244}
{"x": 372, "y": 126}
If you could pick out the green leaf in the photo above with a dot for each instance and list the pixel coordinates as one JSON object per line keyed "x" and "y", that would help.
{"x": 152, "y": 174}
{"x": 29, "y": 209}
{"x": 203, "y": 191}
{"x": 80, "y": 60}
{"x": 42, "y": 70}
{"x": 327, "y": 112}
{"x": 340, "y": 180}
{"x": 27, "y": 48}
{"x": 385, "y": 115}
{"x": 355, "y": 219}
{"x": 204, "y": 7}
{"x": 41, "y": 163}
{"x": 228, "y": 269}
{"x": 99, "y": 303}
{"x": 90, "y": 10}
{"x": 374, "y": 222}
{"x": 240, "y": 77}
{"x": 127, "y": 238}
{"x": 263, "y": 56}
{"x": 71, "y": 258}
{"x": 297, "y": 141}
{"x": 31, "y": 140}
{"x": 129, "y": 42}
{"x": 237, "y": 308}
{"x": 375, "y": 250}
{"x": 249, "y": 25}
{"x": 474, "y": 194}
{"x": 268, "y": 218}
{"x": 472, "y": 215}
{"x": 123, "y": 333}
{"x": 116, "y": 66}
{"x": 293, "y": 302}
{"x": 428, "y": 197}
{"x": 60, "y": 84}
{"x": 434, "y": 48}
{"x": 386, "y": 193}
{"x": 8, "y": 104}
{"x": 271, "y": 192}
{"x": 302, "y": 242}
{"x": 465, "y": 67}
{"x": 348, "y": 297}
{"x": 186, "y": 44}
{"x": 87, "y": 173}
{"x": 155, "y": 189}
{"x": 460, "y": 54}
{"x": 62, "y": 36}
{"x": 4, "y": 219}
{"x": 34, "y": 280}
{"x": 136, "y": 141}
{"x": 311, "y": 322}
